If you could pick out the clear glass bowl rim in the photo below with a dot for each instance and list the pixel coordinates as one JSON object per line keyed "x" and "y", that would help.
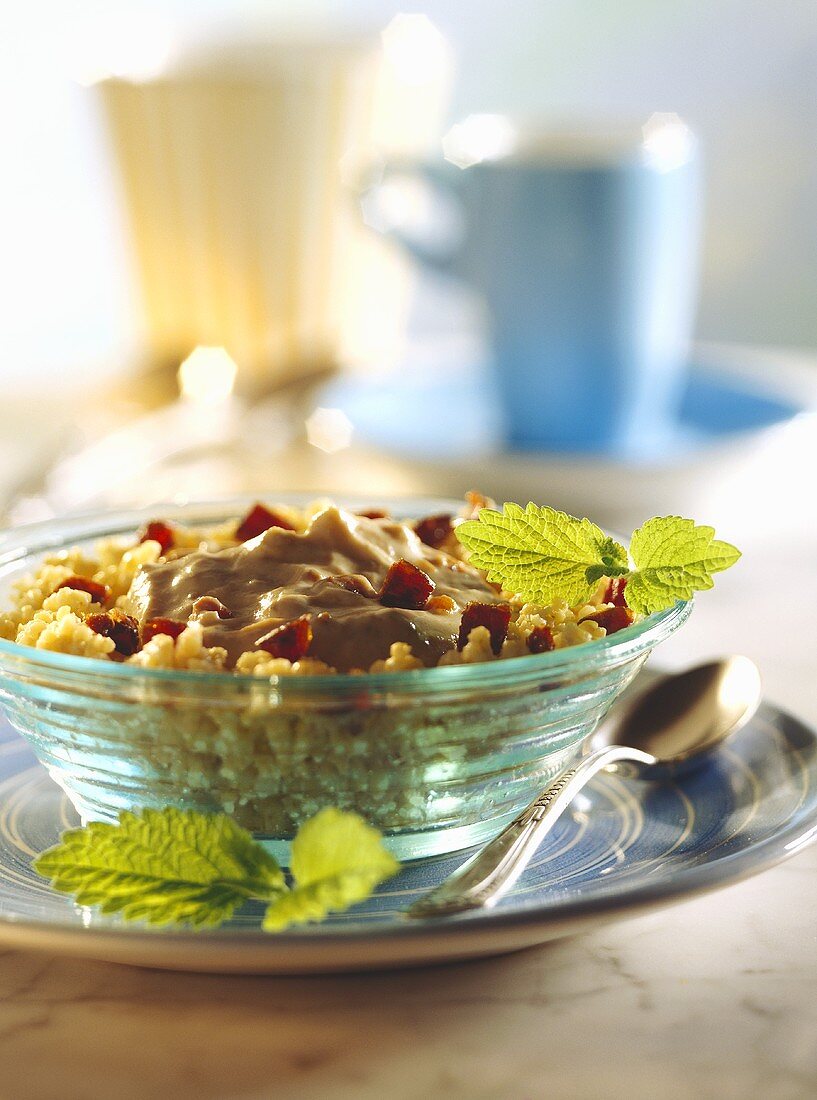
{"x": 19, "y": 544}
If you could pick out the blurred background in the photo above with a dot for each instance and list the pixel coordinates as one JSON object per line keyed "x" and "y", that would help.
{"x": 562, "y": 250}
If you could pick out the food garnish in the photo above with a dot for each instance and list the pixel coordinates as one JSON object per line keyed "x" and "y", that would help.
{"x": 494, "y": 616}
{"x": 175, "y": 866}
{"x": 122, "y": 629}
{"x": 434, "y": 530}
{"x": 611, "y": 618}
{"x": 540, "y": 554}
{"x": 99, "y": 593}
{"x": 406, "y": 586}
{"x": 160, "y": 625}
{"x": 540, "y": 640}
{"x": 258, "y": 520}
{"x": 337, "y": 860}
{"x": 615, "y": 592}
{"x": 158, "y": 531}
{"x": 292, "y": 640}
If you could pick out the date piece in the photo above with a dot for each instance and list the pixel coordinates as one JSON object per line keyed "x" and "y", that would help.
{"x": 614, "y": 593}
{"x": 160, "y": 625}
{"x": 540, "y": 640}
{"x": 99, "y": 593}
{"x": 291, "y": 640}
{"x": 612, "y": 619}
{"x": 258, "y": 520}
{"x": 494, "y": 616}
{"x": 122, "y": 629}
{"x": 434, "y": 530}
{"x": 160, "y": 532}
{"x": 406, "y": 586}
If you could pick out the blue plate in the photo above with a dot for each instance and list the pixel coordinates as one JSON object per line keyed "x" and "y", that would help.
{"x": 404, "y": 414}
{"x": 626, "y": 846}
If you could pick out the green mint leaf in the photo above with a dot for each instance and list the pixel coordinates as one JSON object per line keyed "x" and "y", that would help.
{"x": 337, "y": 860}
{"x": 181, "y": 867}
{"x": 163, "y": 866}
{"x": 674, "y": 558}
{"x": 540, "y": 554}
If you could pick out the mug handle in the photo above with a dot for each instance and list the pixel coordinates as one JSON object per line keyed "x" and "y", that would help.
{"x": 443, "y": 182}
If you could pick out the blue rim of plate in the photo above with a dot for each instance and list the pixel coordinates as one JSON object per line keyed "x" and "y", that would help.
{"x": 782, "y": 747}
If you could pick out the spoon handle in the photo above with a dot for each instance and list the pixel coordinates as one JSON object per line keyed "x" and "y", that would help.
{"x": 485, "y": 877}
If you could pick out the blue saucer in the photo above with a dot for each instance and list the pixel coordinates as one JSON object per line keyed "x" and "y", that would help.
{"x": 623, "y": 847}
{"x": 405, "y": 412}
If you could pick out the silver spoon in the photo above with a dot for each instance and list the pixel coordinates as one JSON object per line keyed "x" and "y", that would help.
{"x": 671, "y": 725}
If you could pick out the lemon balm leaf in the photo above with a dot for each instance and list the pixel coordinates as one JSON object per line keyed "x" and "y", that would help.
{"x": 164, "y": 866}
{"x": 305, "y": 904}
{"x": 336, "y": 841}
{"x": 539, "y": 553}
{"x": 337, "y": 860}
{"x": 673, "y": 558}
{"x": 181, "y": 867}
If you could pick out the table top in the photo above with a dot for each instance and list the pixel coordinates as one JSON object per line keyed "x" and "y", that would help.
{"x": 712, "y": 998}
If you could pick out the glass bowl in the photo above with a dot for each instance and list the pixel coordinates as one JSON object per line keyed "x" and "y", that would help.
{"x": 438, "y": 758}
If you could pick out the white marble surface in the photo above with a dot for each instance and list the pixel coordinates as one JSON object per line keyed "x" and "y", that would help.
{"x": 713, "y": 998}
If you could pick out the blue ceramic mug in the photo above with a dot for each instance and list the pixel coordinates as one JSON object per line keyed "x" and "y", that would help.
{"x": 584, "y": 250}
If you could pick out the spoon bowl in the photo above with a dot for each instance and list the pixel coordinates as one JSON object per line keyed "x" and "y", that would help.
{"x": 686, "y": 715}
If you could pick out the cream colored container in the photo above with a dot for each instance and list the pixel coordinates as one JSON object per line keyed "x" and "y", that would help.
{"x": 239, "y": 173}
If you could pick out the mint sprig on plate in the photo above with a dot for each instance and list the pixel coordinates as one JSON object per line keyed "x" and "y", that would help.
{"x": 337, "y": 860}
{"x": 174, "y": 866}
{"x": 540, "y": 554}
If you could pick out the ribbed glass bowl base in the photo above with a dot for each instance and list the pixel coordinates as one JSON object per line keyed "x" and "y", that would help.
{"x": 433, "y": 776}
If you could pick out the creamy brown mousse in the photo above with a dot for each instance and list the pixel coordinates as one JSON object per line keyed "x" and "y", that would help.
{"x": 281, "y": 575}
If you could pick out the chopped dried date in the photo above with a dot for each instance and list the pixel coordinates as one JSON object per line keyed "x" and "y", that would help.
{"x": 405, "y": 586}
{"x": 158, "y": 531}
{"x": 258, "y": 520}
{"x": 612, "y": 618}
{"x": 373, "y": 513}
{"x": 614, "y": 593}
{"x": 494, "y": 616}
{"x": 212, "y": 603}
{"x": 292, "y": 640}
{"x": 434, "y": 530}
{"x": 172, "y": 627}
{"x": 355, "y": 582}
{"x": 540, "y": 640}
{"x": 99, "y": 593}
{"x": 122, "y": 629}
